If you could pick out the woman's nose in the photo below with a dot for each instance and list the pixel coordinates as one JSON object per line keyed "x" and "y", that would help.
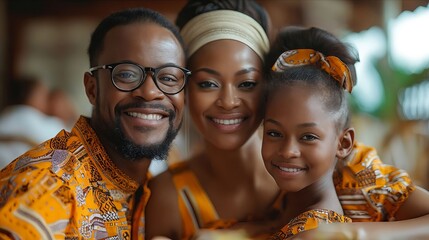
{"x": 228, "y": 98}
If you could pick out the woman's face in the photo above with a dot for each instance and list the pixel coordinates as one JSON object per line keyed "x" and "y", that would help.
{"x": 224, "y": 92}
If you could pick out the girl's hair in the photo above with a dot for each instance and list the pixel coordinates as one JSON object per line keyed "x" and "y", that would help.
{"x": 334, "y": 96}
{"x": 249, "y": 7}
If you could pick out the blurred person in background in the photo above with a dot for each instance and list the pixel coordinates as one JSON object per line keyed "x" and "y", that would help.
{"x": 61, "y": 106}
{"x": 25, "y": 122}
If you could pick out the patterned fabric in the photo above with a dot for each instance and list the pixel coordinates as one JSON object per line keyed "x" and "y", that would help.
{"x": 336, "y": 68}
{"x": 196, "y": 209}
{"x": 368, "y": 191}
{"x": 309, "y": 220}
{"x": 66, "y": 188}
{"x": 138, "y": 226}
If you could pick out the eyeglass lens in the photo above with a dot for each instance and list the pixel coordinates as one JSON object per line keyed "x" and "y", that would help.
{"x": 127, "y": 76}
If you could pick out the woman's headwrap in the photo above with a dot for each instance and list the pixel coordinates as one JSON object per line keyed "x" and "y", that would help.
{"x": 225, "y": 24}
{"x": 336, "y": 68}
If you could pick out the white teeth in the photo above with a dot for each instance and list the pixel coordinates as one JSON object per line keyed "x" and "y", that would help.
{"x": 145, "y": 116}
{"x": 290, "y": 169}
{"x": 228, "y": 121}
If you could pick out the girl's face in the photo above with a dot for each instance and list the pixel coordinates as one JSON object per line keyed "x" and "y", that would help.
{"x": 300, "y": 137}
{"x": 224, "y": 92}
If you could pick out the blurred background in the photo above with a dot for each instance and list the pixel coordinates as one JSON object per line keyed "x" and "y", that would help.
{"x": 48, "y": 39}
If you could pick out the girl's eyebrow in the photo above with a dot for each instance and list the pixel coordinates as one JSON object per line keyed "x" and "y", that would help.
{"x": 302, "y": 125}
{"x": 270, "y": 120}
{"x": 308, "y": 124}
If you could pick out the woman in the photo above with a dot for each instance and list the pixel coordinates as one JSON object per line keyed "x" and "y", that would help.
{"x": 224, "y": 100}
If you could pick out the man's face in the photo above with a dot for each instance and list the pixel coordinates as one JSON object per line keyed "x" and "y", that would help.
{"x": 142, "y": 123}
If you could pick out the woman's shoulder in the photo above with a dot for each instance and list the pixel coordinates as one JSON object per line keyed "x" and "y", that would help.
{"x": 162, "y": 207}
{"x": 162, "y": 181}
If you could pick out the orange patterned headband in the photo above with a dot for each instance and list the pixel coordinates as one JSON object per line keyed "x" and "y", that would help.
{"x": 336, "y": 68}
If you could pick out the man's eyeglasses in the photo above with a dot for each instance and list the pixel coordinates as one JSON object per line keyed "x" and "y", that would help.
{"x": 128, "y": 76}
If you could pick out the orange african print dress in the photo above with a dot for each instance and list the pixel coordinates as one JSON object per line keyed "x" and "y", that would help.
{"x": 196, "y": 208}
{"x": 309, "y": 220}
{"x": 66, "y": 188}
{"x": 368, "y": 190}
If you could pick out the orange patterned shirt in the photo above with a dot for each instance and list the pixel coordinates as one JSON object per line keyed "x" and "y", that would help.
{"x": 309, "y": 220}
{"x": 67, "y": 188}
{"x": 368, "y": 190}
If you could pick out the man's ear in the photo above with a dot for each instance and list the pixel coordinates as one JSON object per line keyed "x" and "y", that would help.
{"x": 345, "y": 143}
{"x": 90, "y": 83}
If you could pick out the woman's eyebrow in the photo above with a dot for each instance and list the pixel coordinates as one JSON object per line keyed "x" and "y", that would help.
{"x": 247, "y": 70}
{"x": 207, "y": 70}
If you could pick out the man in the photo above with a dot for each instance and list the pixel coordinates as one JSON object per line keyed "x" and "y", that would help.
{"x": 81, "y": 184}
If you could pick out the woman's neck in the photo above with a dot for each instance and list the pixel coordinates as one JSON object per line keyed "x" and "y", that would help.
{"x": 234, "y": 170}
{"x": 236, "y": 181}
{"x": 242, "y": 162}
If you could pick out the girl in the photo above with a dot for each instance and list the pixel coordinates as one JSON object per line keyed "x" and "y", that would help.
{"x": 308, "y": 147}
{"x": 306, "y": 129}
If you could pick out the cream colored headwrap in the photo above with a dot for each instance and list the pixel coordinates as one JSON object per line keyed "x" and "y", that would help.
{"x": 225, "y": 24}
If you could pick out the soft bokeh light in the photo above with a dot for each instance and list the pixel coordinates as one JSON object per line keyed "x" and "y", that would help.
{"x": 371, "y": 45}
{"x": 414, "y": 102}
{"x": 409, "y": 39}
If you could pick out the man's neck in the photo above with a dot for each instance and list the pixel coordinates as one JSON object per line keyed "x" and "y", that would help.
{"x": 135, "y": 169}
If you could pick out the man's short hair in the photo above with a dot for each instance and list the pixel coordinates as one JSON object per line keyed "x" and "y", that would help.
{"x": 126, "y": 17}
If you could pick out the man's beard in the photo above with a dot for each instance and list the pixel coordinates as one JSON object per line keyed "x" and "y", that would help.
{"x": 131, "y": 150}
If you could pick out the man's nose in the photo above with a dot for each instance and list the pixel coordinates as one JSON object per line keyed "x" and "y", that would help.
{"x": 148, "y": 90}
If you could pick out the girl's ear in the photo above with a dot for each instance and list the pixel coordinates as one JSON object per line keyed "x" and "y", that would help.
{"x": 90, "y": 83}
{"x": 345, "y": 143}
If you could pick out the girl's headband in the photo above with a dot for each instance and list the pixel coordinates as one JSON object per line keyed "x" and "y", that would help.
{"x": 336, "y": 68}
{"x": 225, "y": 24}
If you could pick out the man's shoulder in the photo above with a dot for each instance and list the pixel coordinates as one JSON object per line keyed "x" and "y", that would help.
{"x": 54, "y": 155}
{"x": 37, "y": 161}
